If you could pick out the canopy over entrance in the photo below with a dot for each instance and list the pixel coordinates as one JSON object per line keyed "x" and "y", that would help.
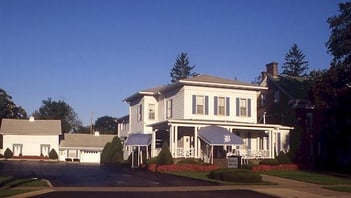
{"x": 216, "y": 136}
{"x": 139, "y": 139}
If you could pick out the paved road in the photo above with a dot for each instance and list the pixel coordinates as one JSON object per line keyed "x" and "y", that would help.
{"x": 188, "y": 194}
{"x": 69, "y": 174}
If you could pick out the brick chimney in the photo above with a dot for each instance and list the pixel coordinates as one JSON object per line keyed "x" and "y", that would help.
{"x": 272, "y": 69}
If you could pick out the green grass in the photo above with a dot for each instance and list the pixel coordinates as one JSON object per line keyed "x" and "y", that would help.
{"x": 9, "y": 181}
{"x": 339, "y": 188}
{"x": 203, "y": 176}
{"x": 310, "y": 177}
{"x": 10, "y": 192}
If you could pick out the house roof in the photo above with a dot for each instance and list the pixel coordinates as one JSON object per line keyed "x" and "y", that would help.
{"x": 74, "y": 140}
{"x": 33, "y": 127}
{"x": 200, "y": 80}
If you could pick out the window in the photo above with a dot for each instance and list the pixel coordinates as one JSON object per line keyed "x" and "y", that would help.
{"x": 44, "y": 150}
{"x": 200, "y": 105}
{"x": 169, "y": 108}
{"x": 140, "y": 112}
{"x": 151, "y": 111}
{"x": 221, "y": 106}
{"x": 243, "y": 107}
{"x": 263, "y": 100}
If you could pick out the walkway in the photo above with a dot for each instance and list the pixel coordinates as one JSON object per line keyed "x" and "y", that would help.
{"x": 286, "y": 188}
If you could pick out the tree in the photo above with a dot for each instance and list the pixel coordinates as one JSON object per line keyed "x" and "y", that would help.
{"x": 59, "y": 110}
{"x": 295, "y": 64}
{"x": 339, "y": 43}
{"x": 165, "y": 156}
{"x": 8, "y": 108}
{"x": 106, "y": 125}
{"x": 181, "y": 69}
{"x": 112, "y": 153}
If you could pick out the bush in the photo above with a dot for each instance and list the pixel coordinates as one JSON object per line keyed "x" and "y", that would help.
{"x": 8, "y": 153}
{"x": 53, "y": 154}
{"x": 165, "y": 156}
{"x": 283, "y": 158}
{"x": 1, "y": 156}
{"x": 235, "y": 175}
{"x": 112, "y": 152}
{"x": 189, "y": 161}
{"x": 269, "y": 162}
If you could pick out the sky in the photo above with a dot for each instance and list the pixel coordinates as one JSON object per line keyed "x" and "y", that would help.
{"x": 92, "y": 54}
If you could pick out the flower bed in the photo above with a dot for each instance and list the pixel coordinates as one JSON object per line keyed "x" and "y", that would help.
{"x": 30, "y": 157}
{"x": 275, "y": 167}
{"x": 181, "y": 168}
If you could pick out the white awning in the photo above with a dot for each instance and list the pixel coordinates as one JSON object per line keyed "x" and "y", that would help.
{"x": 215, "y": 135}
{"x": 139, "y": 139}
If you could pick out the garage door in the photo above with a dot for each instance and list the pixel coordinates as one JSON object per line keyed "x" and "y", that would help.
{"x": 90, "y": 157}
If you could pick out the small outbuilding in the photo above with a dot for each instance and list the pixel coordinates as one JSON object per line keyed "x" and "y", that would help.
{"x": 84, "y": 148}
{"x": 30, "y": 137}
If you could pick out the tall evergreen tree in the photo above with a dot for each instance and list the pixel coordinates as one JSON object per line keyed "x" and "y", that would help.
{"x": 295, "y": 63}
{"x": 181, "y": 68}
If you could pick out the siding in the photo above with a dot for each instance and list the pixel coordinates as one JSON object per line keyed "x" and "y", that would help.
{"x": 230, "y": 111}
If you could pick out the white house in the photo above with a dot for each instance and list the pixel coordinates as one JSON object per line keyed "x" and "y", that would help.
{"x": 187, "y": 113}
{"x": 30, "y": 137}
{"x": 85, "y": 148}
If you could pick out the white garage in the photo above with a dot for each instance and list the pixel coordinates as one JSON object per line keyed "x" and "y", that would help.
{"x": 84, "y": 148}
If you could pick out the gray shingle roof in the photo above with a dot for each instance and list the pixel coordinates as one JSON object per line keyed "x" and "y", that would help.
{"x": 26, "y": 127}
{"x": 72, "y": 140}
{"x": 214, "y": 79}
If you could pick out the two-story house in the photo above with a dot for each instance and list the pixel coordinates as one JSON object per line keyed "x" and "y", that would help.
{"x": 191, "y": 113}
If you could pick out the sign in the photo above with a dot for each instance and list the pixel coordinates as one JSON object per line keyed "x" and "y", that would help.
{"x": 233, "y": 162}
{"x": 226, "y": 138}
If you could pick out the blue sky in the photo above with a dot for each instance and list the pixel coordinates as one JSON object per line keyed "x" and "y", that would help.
{"x": 94, "y": 53}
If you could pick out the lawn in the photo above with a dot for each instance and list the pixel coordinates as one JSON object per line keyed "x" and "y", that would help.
{"x": 310, "y": 177}
{"x": 8, "y": 183}
{"x": 203, "y": 176}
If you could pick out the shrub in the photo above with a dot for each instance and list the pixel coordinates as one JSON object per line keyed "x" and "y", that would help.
{"x": 8, "y": 153}
{"x": 112, "y": 152}
{"x": 189, "y": 161}
{"x": 1, "y": 156}
{"x": 235, "y": 175}
{"x": 165, "y": 156}
{"x": 269, "y": 162}
{"x": 283, "y": 158}
{"x": 53, "y": 154}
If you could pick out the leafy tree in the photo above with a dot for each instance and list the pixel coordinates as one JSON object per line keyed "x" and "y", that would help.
{"x": 8, "y": 108}
{"x": 181, "y": 69}
{"x": 295, "y": 64}
{"x": 112, "y": 153}
{"x": 339, "y": 44}
{"x": 59, "y": 110}
{"x": 106, "y": 125}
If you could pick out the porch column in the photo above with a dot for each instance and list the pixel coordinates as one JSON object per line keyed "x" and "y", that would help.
{"x": 195, "y": 142}
{"x": 171, "y": 147}
{"x": 271, "y": 144}
{"x": 153, "y": 144}
{"x": 175, "y": 138}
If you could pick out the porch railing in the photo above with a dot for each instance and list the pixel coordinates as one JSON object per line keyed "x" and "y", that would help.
{"x": 185, "y": 153}
{"x": 252, "y": 154}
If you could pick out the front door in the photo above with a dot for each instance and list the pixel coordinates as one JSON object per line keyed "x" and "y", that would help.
{"x": 187, "y": 150}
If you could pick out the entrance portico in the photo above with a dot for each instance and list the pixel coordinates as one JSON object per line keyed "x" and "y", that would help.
{"x": 260, "y": 140}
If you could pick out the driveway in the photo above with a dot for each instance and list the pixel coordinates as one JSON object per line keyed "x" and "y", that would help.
{"x": 70, "y": 174}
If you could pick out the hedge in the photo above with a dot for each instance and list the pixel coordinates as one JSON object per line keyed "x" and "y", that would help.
{"x": 235, "y": 175}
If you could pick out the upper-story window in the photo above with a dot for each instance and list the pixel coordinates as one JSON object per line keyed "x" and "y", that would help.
{"x": 151, "y": 111}
{"x": 221, "y": 106}
{"x": 169, "y": 106}
{"x": 140, "y": 112}
{"x": 243, "y": 107}
{"x": 200, "y": 105}
{"x": 276, "y": 97}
